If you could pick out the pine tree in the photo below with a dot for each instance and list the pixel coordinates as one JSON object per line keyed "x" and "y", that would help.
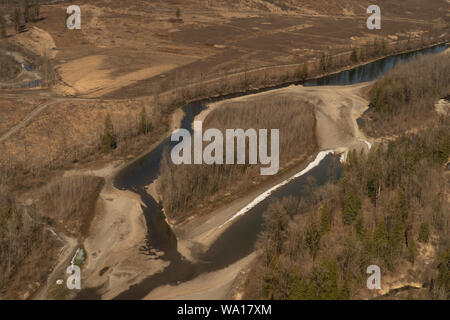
{"x": 323, "y": 63}
{"x": 143, "y": 122}
{"x": 178, "y": 13}
{"x": 424, "y": 232}
{"x": 362, "y": 55}
{"x": 354, "y": 56}
{"x": 2, "y": 27}
{"x": 411, "y": 251}
{"x": 26, "y": 11}
{"x": 360, "y": 225}
{"x": 345, "y": 291}
{"x": 109, "y": 139}
{"x": 324, "y": 220}
{"x": 306, "y": 291}
{"x": 37, "y": 9}
{"x": 397, "y": 235}
{"x": 376, "y": 50}
{"x": 325, "y": 278}
{"x": 351, "y": 206}
{"x": 302, "y": 74}
{"x": 380, "y": 238}
{"x": 384, "y": 47}
{"x": 16, "y": 19}
{"x": 442, "y": 286}
{"x": 312, "y": 238}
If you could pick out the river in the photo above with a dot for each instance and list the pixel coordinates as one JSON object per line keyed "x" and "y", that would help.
{"x": 239, "y": 239}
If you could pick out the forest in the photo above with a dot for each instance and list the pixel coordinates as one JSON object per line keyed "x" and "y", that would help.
{"x": 389, "y": 207}
{"x": 406, "y": 95}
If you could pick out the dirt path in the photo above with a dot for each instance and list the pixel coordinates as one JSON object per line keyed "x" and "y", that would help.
{"x": 27, "y": 119}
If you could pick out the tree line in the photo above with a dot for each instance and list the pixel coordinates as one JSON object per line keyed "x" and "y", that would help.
{"x": 29, "y": 11}
{"x": 386, "y": 205}
{"x": 406, "y": 96}
{"x": 27, "y": 249}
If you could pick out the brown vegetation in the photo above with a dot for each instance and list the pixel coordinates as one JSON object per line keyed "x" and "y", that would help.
{"x": 68, "y": 133}
{"x": 9, "y": 68}
{"x": 406, "y": 96}
{"x": 388, "y": 207}
{"x": 68, "y": 204}
{"x": 320, "y": 248}
{"x": 185, "y": 187}
{"x": 27, "y": 250}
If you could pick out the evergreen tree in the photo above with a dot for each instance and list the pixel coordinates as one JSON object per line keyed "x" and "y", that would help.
{"x": 324, "y": 220}
{"x": 2, "y": 27}
{"x": 351, "y": 206}
{"x": 325, "y": 279}
{"x": 345, "y": 291}
{"x": 424, "y": 232}
{"x": 26, "y": 11}
{"x": 380, "y": 239}
{"x": 362, "y": 54}
{"x": 396, "y": 237}
{"x": 109, "y": 139}
{"x": 144, "y": 126}
{"x": 384, "y": 47}
{"x": 16, "y": 19}
{"x": 442, "y": 284}
{"x": 302, "y": 74}
{"x": 312, "y": 238}
{"x": 323, "y": 63}
{"x": 411, "y": 251}
{"x": 37, "y": 9}
{"x": 376, "y": 50}
{"x": 306, "y": 290}
{"x": 360, "y": 228}
{"x": 354, "y": 56}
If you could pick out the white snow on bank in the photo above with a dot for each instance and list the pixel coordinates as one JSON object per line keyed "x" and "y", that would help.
{"x": 320, "y": 156}
{"x": 369, "y": 145}
{"x": 74, "y": 257}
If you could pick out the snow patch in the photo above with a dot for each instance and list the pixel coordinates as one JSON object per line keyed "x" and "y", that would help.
{"x": 320, "y": 156}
